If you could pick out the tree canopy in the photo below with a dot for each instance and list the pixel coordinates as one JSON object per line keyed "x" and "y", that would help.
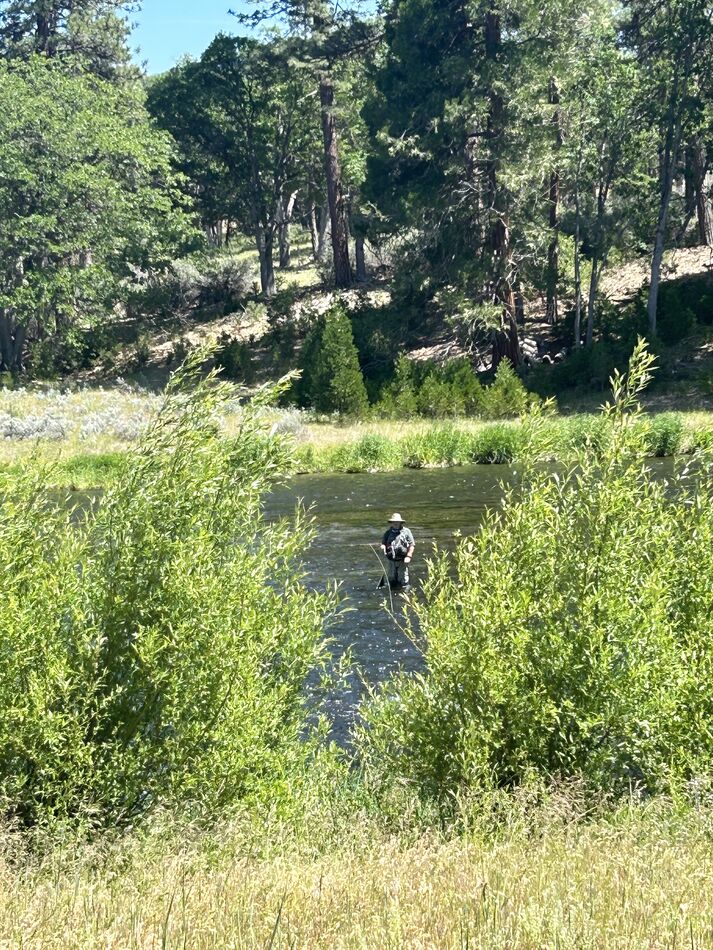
{"x": 88, "y": 198}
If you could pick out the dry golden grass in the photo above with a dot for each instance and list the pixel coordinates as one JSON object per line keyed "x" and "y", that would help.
{"x": 576, "y": 887}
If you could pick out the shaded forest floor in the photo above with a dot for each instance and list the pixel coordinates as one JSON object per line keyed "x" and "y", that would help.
{"x": 152, "y": 348}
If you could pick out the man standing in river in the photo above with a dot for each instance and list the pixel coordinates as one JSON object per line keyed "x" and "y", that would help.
{"x": 398, "y": 545}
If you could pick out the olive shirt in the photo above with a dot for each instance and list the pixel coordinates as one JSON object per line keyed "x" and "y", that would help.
{"x": 397, "y": 542}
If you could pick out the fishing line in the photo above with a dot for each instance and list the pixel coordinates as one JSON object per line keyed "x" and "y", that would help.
{"x": 385, "y": 574}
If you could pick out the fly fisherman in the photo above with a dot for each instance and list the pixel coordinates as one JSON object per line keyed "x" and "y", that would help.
{"x": 397, "y": 544}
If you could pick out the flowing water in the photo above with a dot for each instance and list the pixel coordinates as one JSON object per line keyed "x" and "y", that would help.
{"x": 350, "y": 513}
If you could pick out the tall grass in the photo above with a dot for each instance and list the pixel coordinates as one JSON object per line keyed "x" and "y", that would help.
{"x": 85, "y": 434}
{"x": 640, "y": 879}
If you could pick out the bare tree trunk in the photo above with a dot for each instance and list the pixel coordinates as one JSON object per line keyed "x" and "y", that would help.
{"x": 313, "y": 228}
{"x": 699, "y": 169}
{"x": 592, "y": 300}
{"x": 657, "y": 257}
{"x": 264, "y": 242}
{"x": 506, "y": 344}
{"x": 335, "y": 195}
{"x": 322, "y": 235}
{"x": 361, "y": 274}
{"x": 284, "y": 219}
{"x": 554, "y": 196}
{"x": 668, "y": 166}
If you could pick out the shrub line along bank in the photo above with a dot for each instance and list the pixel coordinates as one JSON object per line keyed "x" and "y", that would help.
{"x": 440, "y": 445}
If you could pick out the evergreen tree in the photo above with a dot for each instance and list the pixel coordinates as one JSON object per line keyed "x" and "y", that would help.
{"x": 332, "y": 380}
{"x": 93, "y": 34}
{"x": 244, "y": 121}
{"x": 458, "y": 160}
{"x": 323, "y": 40}
{"x": 673, "y": 42}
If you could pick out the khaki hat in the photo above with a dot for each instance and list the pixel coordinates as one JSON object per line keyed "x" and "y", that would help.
{"x": 396, "y": 517}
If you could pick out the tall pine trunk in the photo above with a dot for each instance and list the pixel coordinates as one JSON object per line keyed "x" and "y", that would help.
{"x": 669, "y": 160}
{"x": 335, "y": 194}
{"x": 554, "y": 197}
{"x": 506, "y": 344}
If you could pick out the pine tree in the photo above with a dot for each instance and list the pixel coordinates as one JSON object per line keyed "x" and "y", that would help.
{"x": 93, "y": 34}
{"x": 332, "y": 380}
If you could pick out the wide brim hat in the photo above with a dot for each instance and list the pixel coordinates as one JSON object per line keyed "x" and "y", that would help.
{"x": 396, "y": 517}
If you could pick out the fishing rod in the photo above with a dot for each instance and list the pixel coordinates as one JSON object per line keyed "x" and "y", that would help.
{"x": 384, "y": 576}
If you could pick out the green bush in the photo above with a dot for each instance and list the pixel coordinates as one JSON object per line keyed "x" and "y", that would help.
{"x": 444, "y": 445}
{"x": 585, "y": 431}
{"x": 570, "y": 637}
{"x": 584, "y": 368}
{"x": 506, "y": 395}
{"x": 235, "y": 358}
{"x": 371, "y": 453}
{"x": 702, "y": 438}
{"x": 331, "y": 378}
{"x": 681, "y": 305}
{"x": 217, "y": 280}
{"x": 376, "y": 451}
{"x": 496, "y": 444}
{"x": 399, "y": 396}
{"x": 437, "y": 399}
{"x": 452, "y": 389}
{"x": 663, "y": 434}
{"x": 156, "y": 646}
{"x": 466, "y": 388}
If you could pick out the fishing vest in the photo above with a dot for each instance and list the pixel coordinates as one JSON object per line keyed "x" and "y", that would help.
{"x": 397, "y": 543}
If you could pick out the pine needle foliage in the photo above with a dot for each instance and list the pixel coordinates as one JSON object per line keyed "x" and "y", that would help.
{"x": 155, "y": 643}
{"x": 570, "y": 637}
{"x": 332, "y": 380}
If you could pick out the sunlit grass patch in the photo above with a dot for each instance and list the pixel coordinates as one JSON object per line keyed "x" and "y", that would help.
{"x": 71, "y": 427}
{"x": 642, "y": 879}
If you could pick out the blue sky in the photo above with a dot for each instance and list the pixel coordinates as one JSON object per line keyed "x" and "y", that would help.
{"x": 168, "y": 29}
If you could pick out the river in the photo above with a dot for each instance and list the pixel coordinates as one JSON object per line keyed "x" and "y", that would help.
{"x": 351, "y": 513}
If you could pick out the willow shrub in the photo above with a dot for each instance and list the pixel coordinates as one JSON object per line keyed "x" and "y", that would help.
{"x": 155, "y": 646}
{"x": 570, "y": 637}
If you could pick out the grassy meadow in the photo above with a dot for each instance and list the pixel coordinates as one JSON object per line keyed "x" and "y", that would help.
{"x": 82, "y": 434}
{"x": 642, "y": 878}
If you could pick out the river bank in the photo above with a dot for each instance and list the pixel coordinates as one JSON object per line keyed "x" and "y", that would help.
{"x": 86, "y": 450}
